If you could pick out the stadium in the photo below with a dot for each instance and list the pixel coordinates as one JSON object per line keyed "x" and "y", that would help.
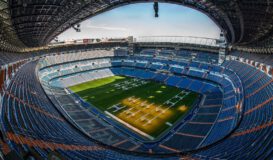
{"x": 150, "y": 97}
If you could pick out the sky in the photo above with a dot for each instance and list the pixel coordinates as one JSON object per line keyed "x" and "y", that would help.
{"x": 138, "y": 20}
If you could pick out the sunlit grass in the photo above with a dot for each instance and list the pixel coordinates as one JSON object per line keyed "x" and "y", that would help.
{"x": 151, "y": 119}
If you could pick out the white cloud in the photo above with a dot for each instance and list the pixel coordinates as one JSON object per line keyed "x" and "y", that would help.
{"x": 129, "y": 21}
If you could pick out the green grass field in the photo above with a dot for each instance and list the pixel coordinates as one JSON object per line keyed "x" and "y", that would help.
{"x": 147, "y": 107}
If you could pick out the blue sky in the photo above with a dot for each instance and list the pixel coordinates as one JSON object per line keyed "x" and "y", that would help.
{"x": 138, "y": 20}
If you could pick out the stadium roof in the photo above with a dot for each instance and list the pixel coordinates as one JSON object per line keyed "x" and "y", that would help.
{"x": 35, "y": 23}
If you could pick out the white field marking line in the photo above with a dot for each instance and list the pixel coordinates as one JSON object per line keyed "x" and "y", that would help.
{"x": 142, "y": 118}
{"x": 148, "y": 106}
{"x": 133, "y": 114}
{"x": 151, "y": 120}
{"x": 170, "y": 103}
{"x": 113, "y": 106}
{"x": 129, "y": 126}
{"x": 137, "y": 110}
{"x": 126, "y": 111}
{"x": 131, "y": 98}
{"x": 134, "y": 100}
{"x": 135, "y": 85}
{"x": 131, "y": 107}
{"x": 132, "y": 85}
{"x": 174, "y": 103}
{"x": 180, "y": 96}
{"x": 169, "y": 100}
{"x": 162, "y": 112}
{"x": 128, "y": 85}
{"x": 143, "y": 104}
{"x": 118, "y": 85}
{"x": 129, "y": 115}
{"x": 119, "y": 109}
{"x": 124, "y": 88}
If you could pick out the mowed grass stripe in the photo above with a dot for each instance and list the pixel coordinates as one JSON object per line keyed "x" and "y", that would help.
{"x": 95, "y": 83}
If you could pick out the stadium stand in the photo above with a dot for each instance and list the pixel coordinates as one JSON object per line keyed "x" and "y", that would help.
{"x": 42, "y": 119}
{"x": 266, "y": 59}
{"x": 221, "y": 108}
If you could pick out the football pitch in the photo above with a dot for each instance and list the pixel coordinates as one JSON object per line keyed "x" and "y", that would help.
{"x": 147, "y": 107}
